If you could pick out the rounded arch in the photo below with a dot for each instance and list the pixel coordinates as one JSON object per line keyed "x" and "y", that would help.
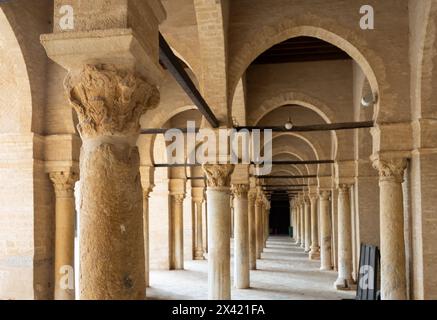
{"x": 292, "y": 98}
{"x": 306, "y": 101}
{"x": 424, "y": 94}
{"x": 15, "y": 96}
{"x": 270, "y": 36}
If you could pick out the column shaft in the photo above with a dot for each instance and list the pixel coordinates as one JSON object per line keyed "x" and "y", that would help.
{"x": 178, "y": 232}
{"x": 219, "y": 230}
{"x": 302, "y": 224}
{"x": 241, "y": 237}
{"x": 198, "y": 254}
{"x": 259, "y": 233}
{"x": 63, "y": 183}
{"x": 315, "y": 250}
{"x": 325, "y": 225}
{"x": 146, "y": 236}
{"x": 393, "y": 270}
{"x": 344, "y": 280}
{"x": 307, "y": 226}
{"x": 252, "y": 231}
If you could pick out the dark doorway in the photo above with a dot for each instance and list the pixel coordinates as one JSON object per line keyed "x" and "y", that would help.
{"x": 279, "y": 217}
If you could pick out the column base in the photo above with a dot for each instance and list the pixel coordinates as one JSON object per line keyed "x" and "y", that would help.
{"x": 325, "y": 268}
{"x": 314, "y": 255}
{"x": 345, "y": 284}
{"x": 199, "y": 255}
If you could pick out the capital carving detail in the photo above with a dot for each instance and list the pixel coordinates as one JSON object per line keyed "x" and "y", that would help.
{"x": 324, "y": 195}
{"x": 179, "y": 198}
{"x": 343, "y": 188}
{"x": 63, "y": 182}
{"x": 218, "y": 175}
{"x": 239, "y": 190}
{"x": 251, "y": 196}
{"x": 392, "y": 169}
{"x": 109, "y": 101}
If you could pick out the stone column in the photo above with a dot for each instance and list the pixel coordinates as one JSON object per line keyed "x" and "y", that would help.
{"x": 266, "y": 222}
{"x": 315, "y": 249}
{"x": 198, "y": 252}
{"x": 109, "y": 103}
{"x": 178, "y": 231}
{"x": 241, "y": 237}
{"x": 307, "y": 212}
{"x": 344, "y": 280}
{"x": 393, "y": 274}
{"x": 146, "y": 193}
{"x": 259, "y": 233}
{"x": 292, "y": 224}
{"x": 205, "y": 227}
{"x": 219, "y": 230}
{"x": 325, "y": 226}
{"x": 252, "y": 230}
{"x": 297, "y": 220}
{"x": 302, "y": 223}
{"x": 63, "y": 183}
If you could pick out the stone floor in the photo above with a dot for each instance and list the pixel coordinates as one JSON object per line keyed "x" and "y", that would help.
{"x": 284, "y": 273}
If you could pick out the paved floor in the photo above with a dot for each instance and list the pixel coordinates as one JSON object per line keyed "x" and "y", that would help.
{"x": 284, "y": 273}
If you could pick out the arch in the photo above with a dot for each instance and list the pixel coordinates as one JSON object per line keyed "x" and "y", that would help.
{"x": 305, "y": 101}
{"x": 287, "y": 29}
{"x": 293, "y": 98}
{"x": 15, "y": 97}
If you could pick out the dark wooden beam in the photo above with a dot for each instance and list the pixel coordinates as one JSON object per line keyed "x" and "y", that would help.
{"x": 283, "y": 185}
{"x": 164, "y": 130}
{"x": 308, "y": 128}
{"x": 171, "y": 62}
{"x": 314, "y": 127}
{"x": 286, "y": 177}
{"x": 279, "y": 162}
{"x": 297, "y": 162}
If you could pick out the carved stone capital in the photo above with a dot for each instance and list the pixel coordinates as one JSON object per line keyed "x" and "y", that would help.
{"x": 109, "y": 101}
{"x": 146, "y": 192}
{"x": 251, "y": 196}
{"x": 240, "y": 190}
{"x": 218, "y": 175}
{"x": 392, "y": 169}
{"x": 63, "y": 182}
{"x": 179, "y": 198}
{"x": 324, "y": 195}
{"x": 343, "y": 188}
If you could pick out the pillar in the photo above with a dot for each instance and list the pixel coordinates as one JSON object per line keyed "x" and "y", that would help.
{"x": 205, "y": 226}
{"x": 110, "y": 89}
{"x": 344, "y": 280}
{"x": 219, "y": 230}
{"x": 325, "y": 226}
{"x": 307, "y": 213}
{"x": 266, "y": 222}
{"x": 315, "y": 249}
{"x": 178, "y": 231}
{"x": 302, "y": 224}
{"x": 292, "y": 223}
{"x": 241, "y": 237}
{"x": 393, "y": 274}
{"x": 297, "y": 220}
{"x": 111, "y": 193}
{"x": 252, "y": 230}
{"x": 63, "y": 183}
{"x": 258, "y": 219}
{"x": 198, "y": 250}
{"x": 146, "y": 194}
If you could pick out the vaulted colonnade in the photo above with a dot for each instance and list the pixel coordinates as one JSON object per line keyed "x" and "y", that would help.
{"x": 93, "y": 175}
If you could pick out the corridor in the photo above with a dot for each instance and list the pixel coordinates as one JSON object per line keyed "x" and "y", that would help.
{"x": 284, "y": 273}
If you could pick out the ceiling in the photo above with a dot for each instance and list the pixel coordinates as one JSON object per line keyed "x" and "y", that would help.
{"x": 301, "y": 49}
